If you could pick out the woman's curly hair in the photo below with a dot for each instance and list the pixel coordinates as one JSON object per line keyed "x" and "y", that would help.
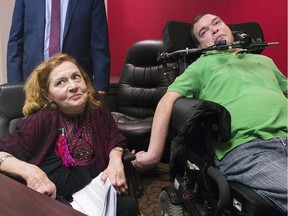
{"x": 37, "y": 85}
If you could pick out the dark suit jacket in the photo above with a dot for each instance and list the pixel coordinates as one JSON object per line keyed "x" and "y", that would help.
{"x": 85, "y": 38}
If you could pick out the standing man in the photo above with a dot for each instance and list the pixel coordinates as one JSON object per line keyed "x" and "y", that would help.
{"x": 82, "y": 33}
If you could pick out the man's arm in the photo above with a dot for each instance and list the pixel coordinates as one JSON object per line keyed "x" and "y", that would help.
{"x": 160, "y": 128}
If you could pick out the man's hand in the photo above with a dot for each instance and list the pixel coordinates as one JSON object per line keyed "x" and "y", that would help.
{"x": 144, "y": 160}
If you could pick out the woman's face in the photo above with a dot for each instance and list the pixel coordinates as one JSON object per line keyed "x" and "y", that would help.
{"x": 67, "y": 88}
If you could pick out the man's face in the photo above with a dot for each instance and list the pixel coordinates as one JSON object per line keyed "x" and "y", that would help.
{"x": 211, "y": 28}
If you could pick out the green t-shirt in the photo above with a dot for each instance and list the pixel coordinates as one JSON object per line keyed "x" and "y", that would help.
{"x": 249, "y": 86}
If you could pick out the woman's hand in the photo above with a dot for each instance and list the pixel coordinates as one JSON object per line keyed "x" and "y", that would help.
{"x": 35, "y": 178}
{"x": 115, "y": 173}
{"x": 38, "y": 180}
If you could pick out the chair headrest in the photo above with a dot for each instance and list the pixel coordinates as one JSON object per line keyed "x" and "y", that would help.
{"x": 144, "y": 53}
{"x": 177, "y": 35}
{"x": 144, "y": 79}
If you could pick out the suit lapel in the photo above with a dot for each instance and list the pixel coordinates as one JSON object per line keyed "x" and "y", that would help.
{"x": 70, "y": 10}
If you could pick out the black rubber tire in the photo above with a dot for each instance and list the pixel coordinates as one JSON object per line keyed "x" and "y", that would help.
{"x": 166, "y": 208}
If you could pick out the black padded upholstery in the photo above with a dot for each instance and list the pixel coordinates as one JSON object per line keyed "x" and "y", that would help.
{"x": 200, "y": 124}
{"x": 143, "y": 81}
{"x": 12, "y": 99}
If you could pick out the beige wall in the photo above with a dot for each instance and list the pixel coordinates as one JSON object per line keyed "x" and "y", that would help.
{"x": 6, "y": 9}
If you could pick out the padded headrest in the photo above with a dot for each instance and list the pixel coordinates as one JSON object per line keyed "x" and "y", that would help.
{"x": 177, "y": 35}
{"x": 144, "y": 53}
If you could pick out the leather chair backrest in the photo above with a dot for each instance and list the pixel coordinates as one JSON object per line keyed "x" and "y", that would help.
{"x": 12, "y": 99}
{"x": 144, "y": 80}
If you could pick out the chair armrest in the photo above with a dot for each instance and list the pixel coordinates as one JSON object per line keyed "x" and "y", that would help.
{"x": 188, "y": 113}
{"x": 130, "y": 173}
{"x": 128, "y": 156}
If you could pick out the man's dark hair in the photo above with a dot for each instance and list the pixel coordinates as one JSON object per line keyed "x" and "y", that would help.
{"x": 194, "y": 38}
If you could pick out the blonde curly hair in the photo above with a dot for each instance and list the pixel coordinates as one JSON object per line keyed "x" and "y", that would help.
{"x": 37, "y": 85}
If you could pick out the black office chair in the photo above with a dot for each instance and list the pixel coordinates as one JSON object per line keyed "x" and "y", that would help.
{"x": 143, "y": 81}
{"x": 12, "y": 99}
{"x": 199, "y": 188}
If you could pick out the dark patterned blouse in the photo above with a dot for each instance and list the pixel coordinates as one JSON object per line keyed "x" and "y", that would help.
{"x": 90, "y": 138}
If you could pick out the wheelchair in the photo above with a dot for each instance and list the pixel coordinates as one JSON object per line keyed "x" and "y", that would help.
{"x": 199, "y": 188}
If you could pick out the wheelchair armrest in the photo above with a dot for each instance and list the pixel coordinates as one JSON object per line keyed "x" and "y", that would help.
{"x": 187, "y": 113}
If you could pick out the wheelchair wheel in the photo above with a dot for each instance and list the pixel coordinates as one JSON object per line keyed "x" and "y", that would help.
{"x": 167, "y": 208}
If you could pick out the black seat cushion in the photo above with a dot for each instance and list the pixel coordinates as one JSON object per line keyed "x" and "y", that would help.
{"x": 133, "y": 127}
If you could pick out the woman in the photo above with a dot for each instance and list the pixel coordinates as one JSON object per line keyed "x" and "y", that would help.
{"x": 68, "y": 136}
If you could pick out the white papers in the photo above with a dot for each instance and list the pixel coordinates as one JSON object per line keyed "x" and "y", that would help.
{"x": 97, "y": 198}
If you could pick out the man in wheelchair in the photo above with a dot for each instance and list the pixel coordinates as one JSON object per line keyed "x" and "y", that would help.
{"x": 253, "y": 90}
